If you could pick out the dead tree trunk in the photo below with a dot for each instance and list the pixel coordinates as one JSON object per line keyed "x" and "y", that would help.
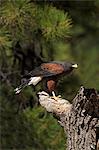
{"x": 79, "y": 119}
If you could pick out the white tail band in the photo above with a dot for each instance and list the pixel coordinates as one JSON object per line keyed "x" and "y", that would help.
{"x": 34, "y": 80}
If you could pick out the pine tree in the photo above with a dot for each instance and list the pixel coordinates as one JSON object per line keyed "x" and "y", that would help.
{"x": 27, "y": 32}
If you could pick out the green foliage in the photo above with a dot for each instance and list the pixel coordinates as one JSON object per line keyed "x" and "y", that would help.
{"x": 24, "y": 19}
{"x": 25, "y": 22}
{"x": 19, "y": 18}
{"x": 28, "y": 129}
{"x": 56, "y": 24}
{"x": 5, "y": 40}
{"x": 47, "y": 129}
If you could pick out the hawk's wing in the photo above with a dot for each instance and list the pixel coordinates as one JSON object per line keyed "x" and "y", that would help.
{"x": 46, "y": 70}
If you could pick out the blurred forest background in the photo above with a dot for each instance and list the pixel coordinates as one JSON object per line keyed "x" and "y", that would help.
{"x": 32, "y": 32}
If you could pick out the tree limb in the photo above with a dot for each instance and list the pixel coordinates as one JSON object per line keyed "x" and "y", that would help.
{"x": 79, "y": 119}
{"x": 59, "y": 106}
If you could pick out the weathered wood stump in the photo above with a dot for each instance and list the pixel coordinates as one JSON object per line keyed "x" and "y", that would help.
{"x": 79, "y": 119}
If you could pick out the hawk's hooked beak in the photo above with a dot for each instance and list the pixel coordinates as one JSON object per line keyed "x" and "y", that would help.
{"x": 74, "y": 65}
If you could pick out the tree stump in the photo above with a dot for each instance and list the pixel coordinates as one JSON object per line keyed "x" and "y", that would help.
{"x": 79, "y": 119}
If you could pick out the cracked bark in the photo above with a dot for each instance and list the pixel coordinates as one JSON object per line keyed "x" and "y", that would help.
{"x": 79, "y": 119}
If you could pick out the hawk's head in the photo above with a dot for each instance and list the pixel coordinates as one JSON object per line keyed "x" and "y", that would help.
{"x": 69, "y": 66}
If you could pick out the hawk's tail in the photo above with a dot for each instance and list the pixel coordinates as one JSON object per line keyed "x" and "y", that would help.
{"x": 18, "y": 89}
{"x": 32, "y": 80}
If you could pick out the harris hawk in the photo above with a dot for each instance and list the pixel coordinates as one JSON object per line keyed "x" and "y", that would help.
{"x": 50, "y": 72}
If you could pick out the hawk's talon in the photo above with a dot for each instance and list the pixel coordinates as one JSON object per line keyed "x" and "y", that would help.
{"x": 54, "y": 96}
{"x": 59, "y": 96}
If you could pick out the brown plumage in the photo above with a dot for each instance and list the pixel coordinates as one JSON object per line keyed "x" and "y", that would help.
{"x": 50, "y": 72}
